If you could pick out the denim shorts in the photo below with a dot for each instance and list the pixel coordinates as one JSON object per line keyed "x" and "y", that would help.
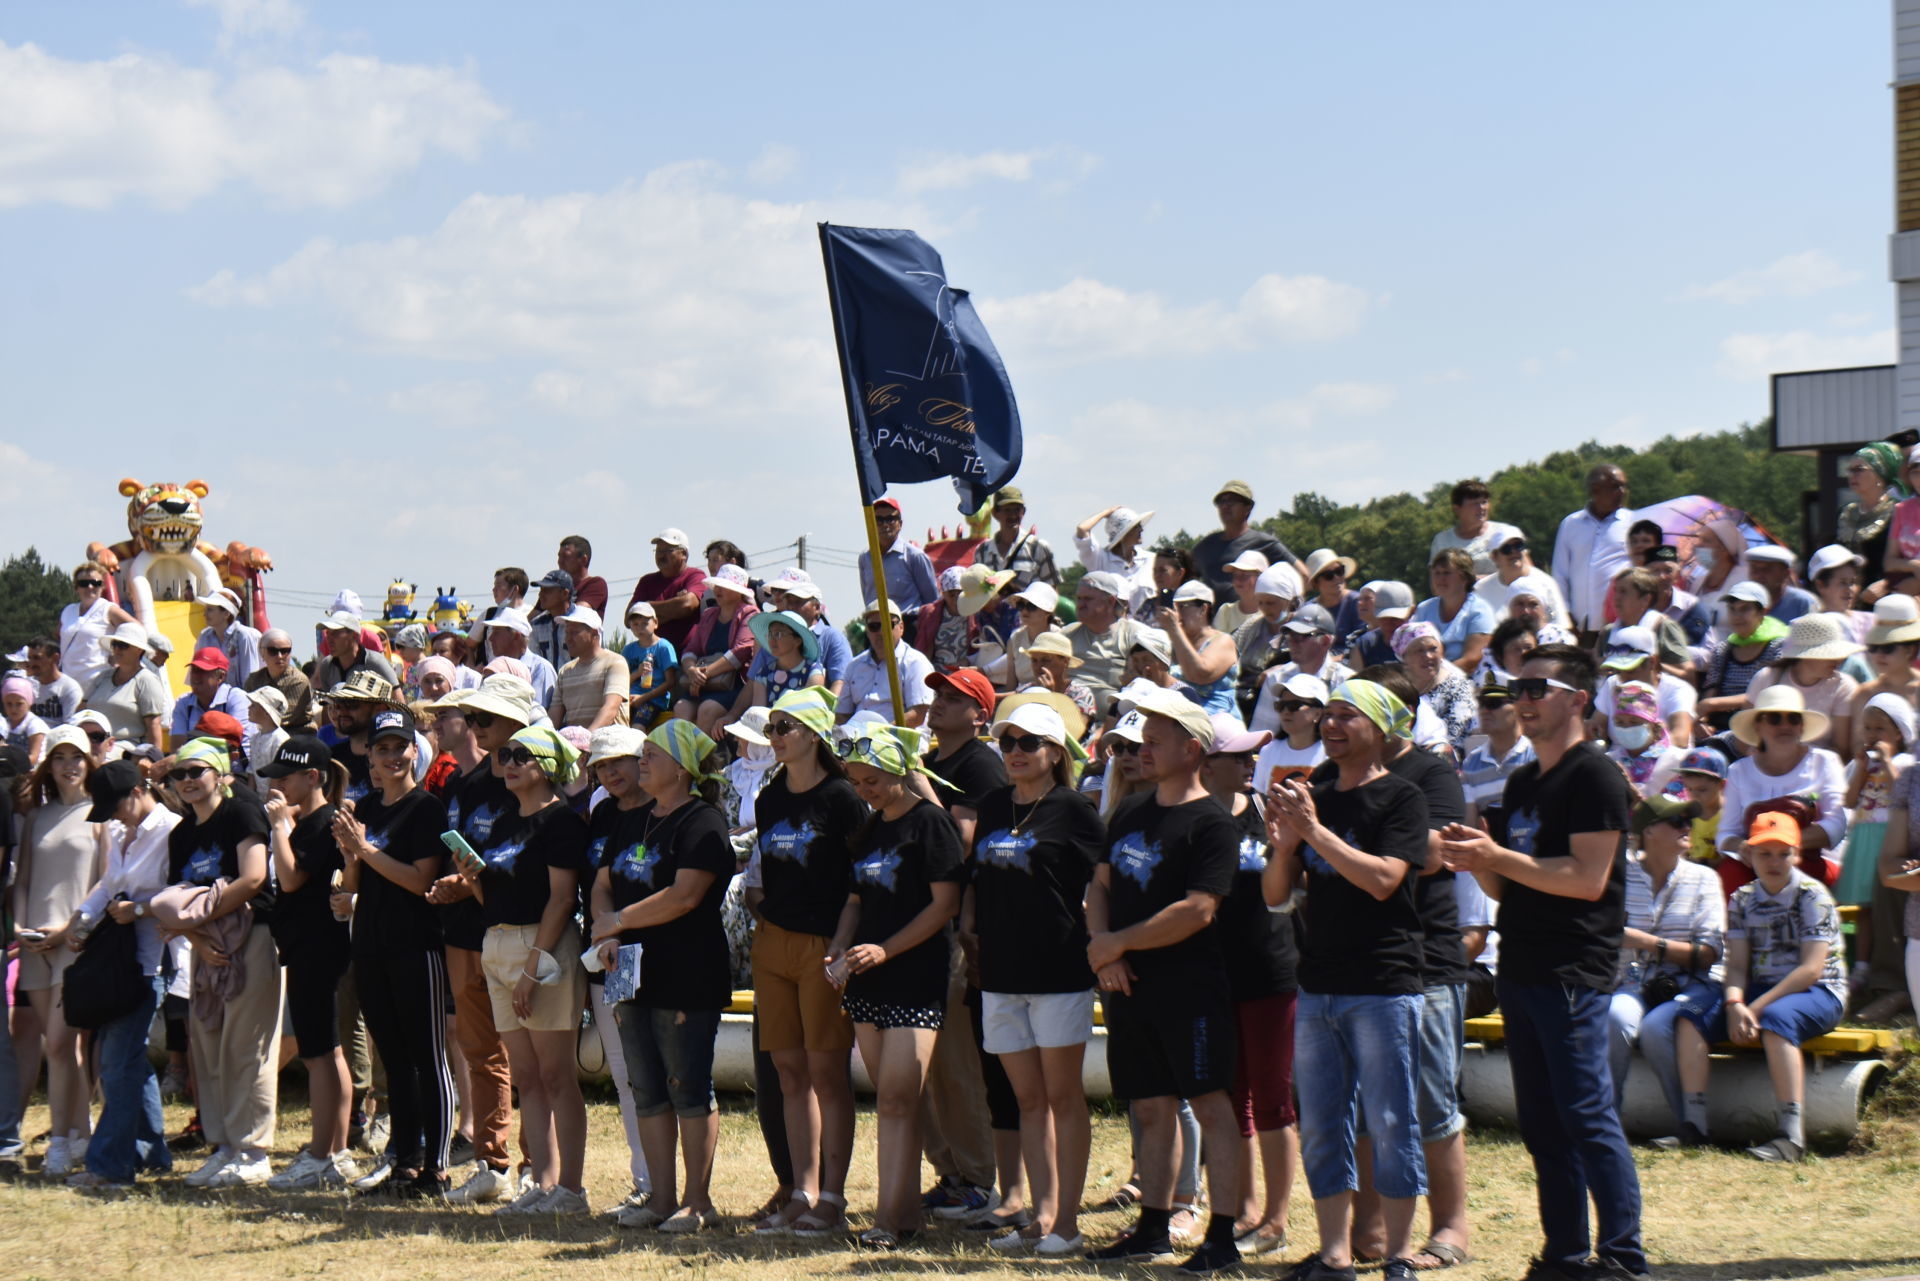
{"x": 1352, "y": 1052}
{"x": 1797, "y": 1018}
{"x": 1443, "y": 1030}
{"x": 669, "y": 1057}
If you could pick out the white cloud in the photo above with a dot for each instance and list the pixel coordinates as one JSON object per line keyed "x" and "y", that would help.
{"x": 1755, "y": 356}
{"x": 142, "y": 126}
{"x": 253, "y": 19}
{"x": 458, "y": 403}
{"x": 775, "y": 163}
{"x": 1089, "y": 320}
{"x": 950, "y": 171}
{"x": 1794, "y": 276}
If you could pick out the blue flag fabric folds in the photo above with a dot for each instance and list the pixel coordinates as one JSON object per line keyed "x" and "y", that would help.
{"x": 927, "y": 395}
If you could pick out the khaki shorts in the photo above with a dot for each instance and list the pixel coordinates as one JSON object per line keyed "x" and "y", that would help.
{"x": 793, "y": 1003}
{"x": 42, "y": 970}
{"x": 556, "y": 1006}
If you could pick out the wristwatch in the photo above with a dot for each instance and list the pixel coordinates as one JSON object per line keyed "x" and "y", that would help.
{"x": 139, "y": 909}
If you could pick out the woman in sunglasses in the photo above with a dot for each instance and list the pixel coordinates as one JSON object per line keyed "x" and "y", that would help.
{"x": 1120, "y": 746}
{"x": 808, "y": 813}
{"x": 1781, "y": 729}
{"x": 221, "y": 842}
{"x": 1037, "y": 843}
{"x": 527, "y": 880}
{"x": 891, "y": 955}
{"x": 1817, "y": 644}
{"x": 130, "y": 696}
{"x": 662, "y": 879}
{"x": 85, "y": 623}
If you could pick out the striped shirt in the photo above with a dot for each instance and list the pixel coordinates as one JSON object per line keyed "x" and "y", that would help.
{"x": 1690, "y": 908}
{"x": 1484, "y": 779}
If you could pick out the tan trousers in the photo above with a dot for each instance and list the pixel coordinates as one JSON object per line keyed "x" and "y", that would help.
{"x": 489, "y": 1083}
{"x": 235, "y": 1065}
{"x": 955, "y": 1127}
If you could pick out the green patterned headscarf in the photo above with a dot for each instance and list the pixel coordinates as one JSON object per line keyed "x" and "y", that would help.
{"x": 559, "y": 760}
{"x": 211, "y": 752}
{"x": 1885, "y": 458}
{"x": 812, "y": 707}
{"x": 689, "y": 748}
{"x": 892, "y": 748}
{"x": 1378, "y": 704}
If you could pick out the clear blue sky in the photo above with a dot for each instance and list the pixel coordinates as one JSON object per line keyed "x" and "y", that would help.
{"x": 420, "y": 288}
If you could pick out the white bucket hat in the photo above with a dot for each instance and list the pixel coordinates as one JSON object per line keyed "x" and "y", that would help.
{"x": 1819, "y": 636}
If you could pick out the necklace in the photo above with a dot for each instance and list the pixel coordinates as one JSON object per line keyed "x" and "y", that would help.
{"x": 1019, "y": 823}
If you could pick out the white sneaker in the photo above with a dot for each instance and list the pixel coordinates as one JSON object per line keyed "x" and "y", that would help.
{"x": 301, "y": 1172}
{"x": 59, "y": 1163}
{"x": 525, "y": 1203}
{"x": 563, "y": 1200}
{"x": 373, "y": 1178}
{"x": 1055, "y": 1246}
{"x": 77, "y": 1149}
{"x": 486, "y": 1184}
{"x": 244, "y": 1171}
{"x": 215, "y": 1163}
{"x": 337, "y": 1172}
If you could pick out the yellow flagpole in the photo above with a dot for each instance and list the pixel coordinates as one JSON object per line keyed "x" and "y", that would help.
{"x": 886, "y": 616}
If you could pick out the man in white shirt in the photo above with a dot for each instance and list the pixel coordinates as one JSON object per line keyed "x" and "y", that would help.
{"x": 1472, "y": 532}
{"x": 508, "y": 632}
{"x": 1591, "y": 545}
{"x": 867, "y": 687}
{"x": 225, "y": 632}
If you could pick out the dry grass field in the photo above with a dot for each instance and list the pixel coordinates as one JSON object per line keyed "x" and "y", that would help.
{"x": 1709, "y": 1215}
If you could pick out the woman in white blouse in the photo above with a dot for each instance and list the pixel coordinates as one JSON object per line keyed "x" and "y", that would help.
{"x": 1781, "y": 729}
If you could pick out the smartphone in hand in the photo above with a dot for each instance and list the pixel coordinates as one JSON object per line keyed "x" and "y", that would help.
{"x": 464, "y": 854}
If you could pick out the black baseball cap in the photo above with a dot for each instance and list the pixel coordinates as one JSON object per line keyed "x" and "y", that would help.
{"x": 109, "y": 785}
{"x": 296, "y": 754}
{"x": 1663, "y": 554}
{"x": 391, "y": 723}
{"x": 555, "y": 578}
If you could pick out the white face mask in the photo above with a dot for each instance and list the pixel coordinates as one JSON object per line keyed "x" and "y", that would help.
{"x": 1633, "y": 737}
{"x": 1703, "y": 557}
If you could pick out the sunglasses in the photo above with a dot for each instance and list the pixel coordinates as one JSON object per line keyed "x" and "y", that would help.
{"x": 1124, "y": 747}
{"x": 1295, "y": 705}
{"x": 875, "y": 626}
{"x": 517, "y": 754}
{"x": 1536, "y": 687}
{"x": 1778, "y": 718}
{"x": 1493, "y": 704}
{"x": 98, "y": 736}
{"x": 480, "y": 720}
{"x": 94, "y": 583}
{"x": 278, "y": 651}
{"x": 1891, "y": 647}
{"x": 780, "y": 729}
{"x": 886, "y": 520}
{"x": 1513, "y": 549}
{"x": 1028, "y": 743}
{"x": 1333, "y": 571}
{"x": 188, "y": 774}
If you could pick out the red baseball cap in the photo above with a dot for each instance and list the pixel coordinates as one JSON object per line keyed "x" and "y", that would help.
{"x": 887, "y": 502}
{"x": 221, "y": 725}
{"x": 969, "y": 681}
{"x": 209, "y": 659}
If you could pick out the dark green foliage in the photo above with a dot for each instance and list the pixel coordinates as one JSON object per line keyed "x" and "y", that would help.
{"x": 32, "y": 593}
{"x": 1389, "y": 536}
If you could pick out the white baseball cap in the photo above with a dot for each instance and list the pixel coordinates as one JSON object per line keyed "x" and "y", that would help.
{"x": 673, "y": 538}
{"x": 513, "y": 620}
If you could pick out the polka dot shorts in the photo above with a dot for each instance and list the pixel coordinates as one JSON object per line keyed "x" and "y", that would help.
{"x": 887, "y": 1017}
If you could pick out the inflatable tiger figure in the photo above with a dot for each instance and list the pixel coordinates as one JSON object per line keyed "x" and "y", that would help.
{"x": 164, "y": 559}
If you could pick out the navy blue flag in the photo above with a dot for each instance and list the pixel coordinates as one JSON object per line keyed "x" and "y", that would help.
{"x": 927, "y": 395}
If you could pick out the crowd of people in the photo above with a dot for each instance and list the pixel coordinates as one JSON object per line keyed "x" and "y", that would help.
{"x": 1280, "y": 830}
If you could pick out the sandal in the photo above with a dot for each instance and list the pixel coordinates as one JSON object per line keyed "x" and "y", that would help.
{"x": 884, "y": 1238}
{"x": 822, "y": 1220}
{"x": 1183, "y": 1234}
{"x": 1123, "y": 1199}
{"x": 1443, "y": 1255}
{"x": 777, "y": 1224}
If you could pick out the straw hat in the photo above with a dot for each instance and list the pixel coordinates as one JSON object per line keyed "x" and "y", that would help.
{"x": 1896, "y": 620}
{"x": 1778, "y": 698}
{"x": 507, "y": 697}
{"x": 1069, "y": 711}
{"x": 979, "y": 585}
{"x": 1055, "y": 644}
{"x": 363, "y": 686}
{"x": 1317, "y": 563}
{"x": 1819, "y": 636}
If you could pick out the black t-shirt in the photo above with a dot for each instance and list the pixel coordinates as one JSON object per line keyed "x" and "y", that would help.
{"x": 1550, "y": 938}
{"x": 1213, "y": 553}
{"x": 474, "y": 801}
{"x": 1262, "y": 957}
{"x": 895, "y": 868}
{"x": 1444, "y": 956}
{"x": 806, "y": 868}
{"x": 201, "y": 853}
{"x": 1357, "y": 945}
{"x": 303, "y": 921}
{"x": 386, "y": 918}
{"x": 359, "y": 772}
{"x": 974, "y": 770}
{"x": 1030, "y": 887}
{"x": 1159, "y": 855}
{"x": 519, "y": 851}
{"x": 685, "y": 964}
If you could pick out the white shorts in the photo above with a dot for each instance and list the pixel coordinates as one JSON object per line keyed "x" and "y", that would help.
{"x": 1015, "y": 1021}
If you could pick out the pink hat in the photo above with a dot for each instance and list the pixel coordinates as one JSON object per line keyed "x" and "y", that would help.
{"x": 1230, "y": 737}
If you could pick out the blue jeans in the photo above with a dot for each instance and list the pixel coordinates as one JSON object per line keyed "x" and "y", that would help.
{"x": 10, "y": 1146}
{"x": 131, "y": 1135}
{"x": 1563, "y": 1095}
{"x": 1699, "y": 1004}
{"x": 669, "y": 1058}
{"x": 1351, "y": 1052}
